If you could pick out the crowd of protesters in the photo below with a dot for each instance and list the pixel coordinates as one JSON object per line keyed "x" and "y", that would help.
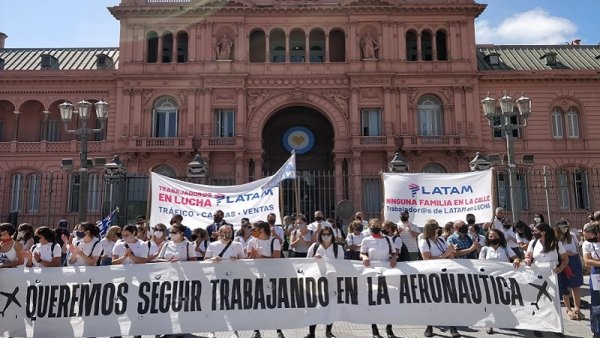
{"x": 324, "y": 238}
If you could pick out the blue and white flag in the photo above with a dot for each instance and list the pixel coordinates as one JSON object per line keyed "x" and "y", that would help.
{"x": 288, "y": 170}
{"x": 106, "y": 223}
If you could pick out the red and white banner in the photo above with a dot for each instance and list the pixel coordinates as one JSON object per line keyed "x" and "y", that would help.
{"x": 192, "y": 297}
{"x": 444, "y": 197}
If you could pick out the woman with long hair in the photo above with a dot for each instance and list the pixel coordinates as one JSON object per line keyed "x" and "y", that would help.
{"x": 354, "y": 239}
{"x": 156, "y": 242}
{"x": 178, "y": 248}
{"x": 524, "y": 235}
{"x": 11, "y": 251}
{"x": 591, "y": 257}
{"x": 47, "y": 252}
{"x": 87, "y": 250}
{"x": 108, "y": 244}
{"x": 131, "y": 249}
{"x": 571, "y": 279}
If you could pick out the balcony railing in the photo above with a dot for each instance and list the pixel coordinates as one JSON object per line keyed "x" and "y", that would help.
{"x": 373, "y": 142}
{"x": 160, "y": 144}
{"x": 49, "y": 147}
{"x": 445, "y": 142}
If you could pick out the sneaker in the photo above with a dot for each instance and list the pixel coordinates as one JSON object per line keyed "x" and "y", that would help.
{"x": 490, "y": 330}
{"x": 454, "y": 332}
{"x": 328, "y": 334}
{"x": 428, "y": 332}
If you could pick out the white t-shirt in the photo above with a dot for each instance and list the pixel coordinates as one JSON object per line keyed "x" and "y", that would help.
{"x": 201, "y": 248}
{"x": 591, "y": 248}
{"x": 279, "y": 230}
{"x": 183, "y": 251}
{"x": 328, "y": 253}
{"x": 521, "y": 238}
{"x": 503, "y": 254}
{"x": 571, "y": 247}
{"x": 436, "y": 247}
{"x": 46, "y": 252}
{"x": 107, "y": 247}
{"x": 314, "y": 225}
{"x": 242, "y": 241}
{"x": 301, "y": 247}
{"x": 234, "y": 250}
{"x": 510, "y": 235}
{"x": 155, "y": 249}
{"x": 138, "y": 249}
{"x": 264, "y": 246}
{"x": 397, "y": 243}
{"x": 87, "y": 249}
{"x": 543, "y": 257}
{"x": 353, "y": 239}
{"x": 407, "y": 237}
{"x": 378, "y": 249}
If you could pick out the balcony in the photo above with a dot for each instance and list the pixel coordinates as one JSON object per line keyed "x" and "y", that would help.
{"x": 222, "y": 143}
{"x": 373, "y": 142}
{"x": 442, "y": 142}
{"x": 160, "y": 144}
{"x": 64, "y": 147}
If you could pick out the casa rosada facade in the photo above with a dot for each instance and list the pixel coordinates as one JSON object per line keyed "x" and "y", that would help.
{"x": 347, "y": 84}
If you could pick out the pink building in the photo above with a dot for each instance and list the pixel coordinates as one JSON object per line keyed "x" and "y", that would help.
{"x": 347, "y": 84}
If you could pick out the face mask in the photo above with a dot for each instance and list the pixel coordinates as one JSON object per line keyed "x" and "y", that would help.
{"x": 537, "y": 235}
{"x": 226, "y": 236}
{"x": 319, "y": 219}
{"x": 6, "y": 240}
{"x": 564, "y": 230}
{"x": 470, "y": 221}
{"x": 494, "y": 241}
{"x": 36, "y": 239}
{"x": 537, "y": 219}
{"x": 463, "y": 229}
{"x": 375, "y": 231}
{"x": 507, "y": 226}
{"x": 326, "y": 238}
{"x": 404, "y": 218}
{"x": 592, "y": 240}
{"x": 217, "y": 219}
{"x": 439, "y": 232}
{"x": 20, "y": 234}
{"x": 79, "y": 234}
{"x": 271, "y": 222}
{"x": 193, "y": 237}
{"x": 385, "y": 232}
{"x": 175, "y": 237}
{"x": 359, "y": 228}
{"x": 158, "y": 234}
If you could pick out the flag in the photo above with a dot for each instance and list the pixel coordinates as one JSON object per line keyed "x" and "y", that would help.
{"x": 288, "y": 170}
{"x": 105, "y": 223}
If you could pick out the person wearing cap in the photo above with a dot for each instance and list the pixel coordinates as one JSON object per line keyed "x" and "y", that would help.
{"x": 591, "y": 257}
{"x": 570, "y": 280}
{"x": 409, "y": 232}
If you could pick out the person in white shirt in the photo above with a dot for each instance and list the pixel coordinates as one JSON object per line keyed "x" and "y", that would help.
{"x": 570, "y": 284}
{"x": 46, "y": 253}
{"x": 131, "y": 249}
{"x": 505, "y": 225}
{"x": 409, "y": 232}
{"x": 11, "y": 251}
{"x": 325, "y": 248}
{"x": 378, "y": 248}
{"x": 591, "y": 257}
{"x": 224, "y": 248}
{"x": 178, "y": 248}
{"x": 301, "y": 238}
{"x": 108, "y": 244}
{"x": 200, "y": 240}
{"x": 88, "y": 249}
{"x": 277, "y": 231}
{"x": 244, "y": 235}
{"x": 156, "y": 241}
{"x": 354, "y": 240}
{"x": 360, "y": 216}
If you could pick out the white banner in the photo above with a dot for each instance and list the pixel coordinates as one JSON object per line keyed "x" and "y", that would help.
{"x": 191, "y": 297}
{"x": 444, "y": 197}
{"x": 197, "y": 203}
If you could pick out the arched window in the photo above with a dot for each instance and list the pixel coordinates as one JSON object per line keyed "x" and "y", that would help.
{"x": 411, "y": 46}
{"x": 431, "y": 116}
{"x": 316, "y": 40}
{"x": 297, "y": 45}
{"x": 441, "y": 45}
{"x": 167, "y": 52}
{"x": 337, "y": 46}
{"x": 93, "y": 192}
{"x": 434, "y": 168}
{"x": 257, "y": 43}
{"x": 557, "y": 123}
{"x": 277, "y": 45}
{"x": 165, "y": 170}
{"x": 165, "y": 118}
{"x": 573, "y": 122}
{"x": 570, "y": 119}
{"x": 426, "y": 46}
{"x": 182, "y": 47}
{"x": 573, "y": 189}
{"x": 152, "y": 46}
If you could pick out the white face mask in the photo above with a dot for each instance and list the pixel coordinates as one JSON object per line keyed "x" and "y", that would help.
{"x": 564, "y": 230}
{"x": 21, "y": 234}
{"x": 537, "y": 219}
{"x": 326, "y": 238}
{"x": 175, "y": 237}
{"x": 158, "y": 234}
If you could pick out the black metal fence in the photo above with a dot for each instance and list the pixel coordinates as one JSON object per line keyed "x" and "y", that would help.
{"x": 45, "y": 198}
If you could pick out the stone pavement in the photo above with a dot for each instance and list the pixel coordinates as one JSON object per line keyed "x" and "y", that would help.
{"x": 573, "y": 329}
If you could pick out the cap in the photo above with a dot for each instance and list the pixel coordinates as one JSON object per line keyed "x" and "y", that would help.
{"x": 63, "y": 223}
{"x": 405, "y": 212}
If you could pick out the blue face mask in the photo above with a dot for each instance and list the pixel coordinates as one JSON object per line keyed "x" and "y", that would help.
{"x": 79, "y": 234}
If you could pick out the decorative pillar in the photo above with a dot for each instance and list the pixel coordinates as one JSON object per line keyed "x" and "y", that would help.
{"x": 160, "y": 49}
{"x": 306, "y": 48}
{"x": 287, "y": 47}
{"x": 351, "y": 42}
{"x": 357, "y": 191}
{"x": 434, "y": 46}
{"x": 419, "y": 47}
{"x": 401, "y": 42}
{"x": 192, "y": 43}
{"x": 354, "y": 114}
{"x": 387, "y": 110}
{"x": 268, "y": 48}
{"x": 241, "y": 112}
{"x": 327, "y": 47}
{"x": 207, "y": 113}
{"x": 239, "y": 167}
{"x": 339, "y": 178}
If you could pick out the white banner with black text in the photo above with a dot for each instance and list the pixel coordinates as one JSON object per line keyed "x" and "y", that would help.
{"x": 192, "y": 297}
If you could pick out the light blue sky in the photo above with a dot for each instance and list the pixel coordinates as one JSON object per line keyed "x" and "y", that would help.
{"x": 87, "y": 23}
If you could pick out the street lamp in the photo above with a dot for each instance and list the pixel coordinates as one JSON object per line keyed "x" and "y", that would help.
{"x": 114, "y": 174}
{"x": 480, "y": 162}
{"x": 397, "y": 164}
{"x": 507, "y": 112}
{"x": 198, "y": 169}
{"x": 66, "y": 114}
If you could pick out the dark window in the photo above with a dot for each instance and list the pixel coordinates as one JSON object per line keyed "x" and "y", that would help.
{"x": 441, "y": 45}
{"x": 297, "y": 46}
{"x": 411, "y": 46}
{"x": 258, "y": 43}
{"x": 317, "y": 46}
{"x": 167, "y": 52}
{"x": 337, "y": 46}
{"x": 426, "y": 45}
{"x": 277, "y": 45}
{"x": 182, "y": 47}
{"x": 152, "y": 40}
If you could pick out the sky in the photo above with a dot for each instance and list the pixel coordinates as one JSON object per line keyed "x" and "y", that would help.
{"x": 87, "y": 23}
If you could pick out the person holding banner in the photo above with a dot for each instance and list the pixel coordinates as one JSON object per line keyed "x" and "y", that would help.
{"x": 87, "y": 250}
{"x": 354, "y": 240}
{"x": 301, "y": 238}
{"x": 224, "y": 248}
{"x": 131, "y": 249}
{"x": 260, "y": 246}
{"x": 244, "y": 234}
{"x": 46, "y": 253}
{"x": 409, "y": 233}
{"x": 200, "y": 240}
{"x": 11, "y": 252}
{"x": 156, "y": 242}
{"x": 591, "y": 257}
{"x": 378, "y": 248}
{"x": 108, "y": 244}
{"x": 570, "y": 282}
{"x": 178, "y": 248}
{"x": 324, "y": 248}
{"x": 432, "y": 246}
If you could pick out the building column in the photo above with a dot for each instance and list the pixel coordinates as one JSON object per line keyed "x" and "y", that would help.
{"x": 339, "y": 178}
{"x": 267, "y": 48}
{"x": 239, "y": 167}
{"x": 357, "y": 192}
{"x": 354, "y": 114}
{"x": 287, "y": 47}
{"x": 258, "y": 165}
{"x": 326, "y": 49}
{"x": 240, "y": 117}
{"x": 192, "y": 43}
{"x": 401, "y": 41}
{"x": 419, "y": 47}
{"x": 208, "y": 114}
{"x": 351, "y": 49}
{"x": 160, "y": 49}
{"x": 307, "y": 48}
{"x": 387, "y": 111}
{"x": 434, "y": 46}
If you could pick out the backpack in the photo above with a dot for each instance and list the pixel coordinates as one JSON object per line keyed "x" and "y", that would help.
{"x": 557, "y": 253}
{"x": 272, "y": 246}
{"x": 51, "y": 248}
{"x": 335, "y": 249}
{"x": 404, "y": 255}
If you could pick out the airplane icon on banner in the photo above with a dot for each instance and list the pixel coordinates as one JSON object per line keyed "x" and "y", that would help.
{"x": 10, "y": 298}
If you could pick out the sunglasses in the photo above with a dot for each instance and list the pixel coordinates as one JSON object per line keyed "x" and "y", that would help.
{"x": 157, "y": 229}
{"x": 173, "y": 232}
{"x": 326, "y": 234}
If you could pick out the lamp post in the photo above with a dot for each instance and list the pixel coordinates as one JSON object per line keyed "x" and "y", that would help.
{"x": 507, "y": 126}
{"x": 114, "y": 173}
{"x": 198, "y": 169}
{"x": 397, "y": 164}
{"x": 480, "y": 162}
{"x": 66, "y": 114}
